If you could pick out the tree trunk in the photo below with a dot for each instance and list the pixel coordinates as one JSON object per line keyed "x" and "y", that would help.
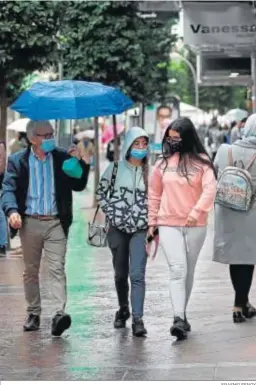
{"x": 97, "y": 160}
{"x": 3, "y": 115}
{"x": 143, "y": 116}
{"x": 116, "y": 145}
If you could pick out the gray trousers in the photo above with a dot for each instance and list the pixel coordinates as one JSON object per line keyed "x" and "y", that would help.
{"x": 35, "y": 236}
{"x": 181, "y": 246}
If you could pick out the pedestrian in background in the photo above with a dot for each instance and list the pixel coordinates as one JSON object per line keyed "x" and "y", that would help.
{"x": 18, "y": 143}
{"x": 181, "y": 194}
{"x": 86, "y": 148}
{"x": 37, "y": 198}
{"x": 237, "y": 131}
{"x": 216, "y": 137}
{"x": 227, "y": 133}
{"x": 126, "y": 213}
{"x": 234, "y": 235}
{"x": 3, "y": 222}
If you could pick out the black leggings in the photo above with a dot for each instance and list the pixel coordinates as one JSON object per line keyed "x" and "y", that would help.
{"x": 241, "y": 277}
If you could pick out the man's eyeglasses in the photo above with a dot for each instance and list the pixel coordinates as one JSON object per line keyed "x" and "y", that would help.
{"x": 45, "y": 136}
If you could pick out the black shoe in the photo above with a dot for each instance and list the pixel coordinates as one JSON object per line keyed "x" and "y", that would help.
{"x": 179, "y": 329}
{"x": 2, "y": 251}
{"x": 138, "y": 328}
{"x": 32, "y": 323}
{"x": 238, "y": 317}
{"x": 249, "y": 311}
{"x": 60, "y": 323}
{"x": 187, "y": 325}
{"x": 122, "y": 315}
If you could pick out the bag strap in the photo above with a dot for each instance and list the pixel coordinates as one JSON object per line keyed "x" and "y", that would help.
{"x": 251, "y": 162}
{"x": 231, "y": 161}
{"x": 230, "y": 157}
{"x": 113, "y": 179}
{"x": 111, "y": 189}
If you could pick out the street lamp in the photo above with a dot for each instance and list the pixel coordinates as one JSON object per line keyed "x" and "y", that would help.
{"x": 177, "y": 56}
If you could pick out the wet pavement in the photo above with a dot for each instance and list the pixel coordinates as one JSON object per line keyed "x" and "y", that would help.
{"x": 93, "y": 350}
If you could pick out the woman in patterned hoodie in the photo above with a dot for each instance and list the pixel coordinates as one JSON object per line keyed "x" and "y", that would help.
{"x": 126, "y": 213}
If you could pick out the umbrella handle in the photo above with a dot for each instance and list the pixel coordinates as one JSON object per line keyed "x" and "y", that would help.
{"x": 71, "y": 132}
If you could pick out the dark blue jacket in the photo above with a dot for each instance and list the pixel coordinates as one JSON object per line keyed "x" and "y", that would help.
{"x": 16, "y": 181}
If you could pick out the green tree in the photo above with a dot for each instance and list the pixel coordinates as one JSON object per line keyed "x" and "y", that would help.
{"x": 108, "y": 42}
{"x": 156, "y": 44}
{"x": 102, "y": 44}
{"x": 27, "y": 43}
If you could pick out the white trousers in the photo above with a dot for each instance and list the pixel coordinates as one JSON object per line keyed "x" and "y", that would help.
{"x": 181, "y": 246}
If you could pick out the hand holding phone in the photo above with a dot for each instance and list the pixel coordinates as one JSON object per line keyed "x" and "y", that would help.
{"x": 152, "y": 233}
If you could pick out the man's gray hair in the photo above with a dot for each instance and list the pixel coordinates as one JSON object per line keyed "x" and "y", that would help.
{"x": 36, "y": 125}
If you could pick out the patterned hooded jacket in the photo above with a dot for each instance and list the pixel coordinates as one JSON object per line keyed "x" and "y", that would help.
{"x": 127, "y": 207}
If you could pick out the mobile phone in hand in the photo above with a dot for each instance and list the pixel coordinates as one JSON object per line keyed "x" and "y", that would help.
{"x": 151, "y": 237}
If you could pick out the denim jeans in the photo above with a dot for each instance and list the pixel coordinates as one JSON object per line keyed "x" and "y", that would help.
{"x": 3, "y": 228}
{"x": 129, "y": 258}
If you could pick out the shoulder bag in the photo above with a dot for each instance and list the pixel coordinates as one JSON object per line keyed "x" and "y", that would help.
{"x": 97, "y": 234}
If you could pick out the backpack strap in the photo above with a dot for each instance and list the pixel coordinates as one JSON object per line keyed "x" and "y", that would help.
{"x": 251, "y": 162}
{"x": 231, "y": 160}
{"x": 111, "y": 189}
{"x": 230, "y": 157}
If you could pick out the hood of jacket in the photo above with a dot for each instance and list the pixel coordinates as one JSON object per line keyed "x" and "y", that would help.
{"x": 131, "y": 135}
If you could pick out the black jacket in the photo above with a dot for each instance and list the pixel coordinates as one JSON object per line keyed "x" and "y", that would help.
{"x": 16, "y": 182}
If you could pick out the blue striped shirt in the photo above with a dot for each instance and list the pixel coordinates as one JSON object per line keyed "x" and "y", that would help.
{"x": 41, "y": 197}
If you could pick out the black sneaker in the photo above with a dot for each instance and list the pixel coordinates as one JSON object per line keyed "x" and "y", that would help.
{"x": 138, "y": 327}
{"x": 249, "y": 311}
{"x": 238, "y": 317}
{"x": 60, "y": 323}
{"x": 32, "y": 323}
{"x": 187, "y": 325}
{"x": 122, "y": 315}
{"x": 179, "y": 329}
{"x": 2, "y": 251}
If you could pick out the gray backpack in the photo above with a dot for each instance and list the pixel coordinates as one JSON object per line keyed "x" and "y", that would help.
{"x": 235, "y": 188}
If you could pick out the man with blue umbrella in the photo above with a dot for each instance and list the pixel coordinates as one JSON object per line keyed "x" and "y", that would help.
{"x": 37, "y": 198}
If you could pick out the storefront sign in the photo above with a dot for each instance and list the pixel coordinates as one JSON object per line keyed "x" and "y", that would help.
{"x": 219, "y": 24}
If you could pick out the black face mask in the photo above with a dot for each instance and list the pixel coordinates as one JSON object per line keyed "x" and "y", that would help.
{"x": 174, "y": 146}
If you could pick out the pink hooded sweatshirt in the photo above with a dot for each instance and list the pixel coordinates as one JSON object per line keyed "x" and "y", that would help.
{"x": 172, "y": 199}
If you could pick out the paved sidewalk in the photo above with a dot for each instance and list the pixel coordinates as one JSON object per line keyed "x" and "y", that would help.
{"x": 93, "y": 350}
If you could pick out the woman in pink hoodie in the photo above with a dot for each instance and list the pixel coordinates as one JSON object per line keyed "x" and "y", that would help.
{"x": 181, "y": 193}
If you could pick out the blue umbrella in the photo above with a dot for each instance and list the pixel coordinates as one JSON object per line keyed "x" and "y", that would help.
{"x": 70, "y": 99}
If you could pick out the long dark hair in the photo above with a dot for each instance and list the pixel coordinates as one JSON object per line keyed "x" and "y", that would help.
{"x": 191, "y": 149}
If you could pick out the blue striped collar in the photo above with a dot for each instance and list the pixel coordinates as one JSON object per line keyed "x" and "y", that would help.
{"x": 47, "y": 156}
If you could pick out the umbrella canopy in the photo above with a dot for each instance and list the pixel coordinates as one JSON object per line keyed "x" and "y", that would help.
{"x": 19, "y": 125}
{"x": 236, "y": 115}
{"x": 70, "y": 99}
{"x": 108, "y": 133}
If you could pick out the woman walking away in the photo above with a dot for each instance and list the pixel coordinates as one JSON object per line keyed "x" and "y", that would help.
{"x": 126, "y": 213}
{"x": 234, "y": 241}
{"x": 181, "y": 194}
{"x": 3, "y": 220}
